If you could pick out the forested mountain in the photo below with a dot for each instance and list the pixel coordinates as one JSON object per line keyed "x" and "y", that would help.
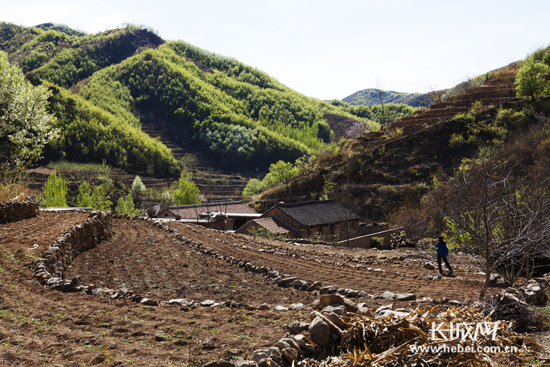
{"x": 107, "y": 85}
{"x": 370, "y": 97}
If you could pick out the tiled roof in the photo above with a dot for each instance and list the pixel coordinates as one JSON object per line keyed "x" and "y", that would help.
{"x": 311, "y": 213}
{"x": 274, "y": 225}
{"x": 194, "y": 211}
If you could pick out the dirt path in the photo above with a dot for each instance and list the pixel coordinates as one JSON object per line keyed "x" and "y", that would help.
{"x": 331, "y": 268}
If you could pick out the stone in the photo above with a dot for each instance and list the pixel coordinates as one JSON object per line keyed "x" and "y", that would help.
{"x": 219, "y": 364}
{"x": 405, "y": 297}
{"x": 149, "y": 302}
{"x": 387, "y": 295}
{"x": 260, "y": 354}
{"x": 293, "y": 344}
{"x": 244, "y": 364}
{"x": 429, "y": 266}
{"x": 335, "y": 319}
{"x": 299, "y": 339}
{"x": 208, "y": 303}
{"x": 280, "y": 308}
{"x": 182, "y": 302}
{"x": 282, "y": 345}
{"x": 382, "y": 308}
{"x": 298, "y": 283}
{"x": 337, "y": 309}
{"x": 424, "y": 299}
{"x": 314, "y": 286}
{"x": 297, "y": 327}
{"x": 350, "y": 305}
{"x": 286, "y": 281}
{"x": 263, "y": 307}
{"x": 290, "y": 354}
{"x": 332, "y": 328}
{"x": 331, "y": 299}
{"x": 328, "y": 290}
{"x": 296, "y": 306}
{"x": 310, "y": 348}
{"x": 352, "y": 293}
{"x": 319, "y": 332}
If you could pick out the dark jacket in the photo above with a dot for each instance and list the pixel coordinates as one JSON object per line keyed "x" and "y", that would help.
{"x": 441, "y": 247}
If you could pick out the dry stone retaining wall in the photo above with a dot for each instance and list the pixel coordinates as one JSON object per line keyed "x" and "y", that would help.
{"x": 14, "y": 211}
{"x": 68, "y": 246}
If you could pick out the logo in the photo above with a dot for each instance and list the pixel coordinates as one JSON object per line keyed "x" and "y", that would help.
{"x": 464, "y": 330}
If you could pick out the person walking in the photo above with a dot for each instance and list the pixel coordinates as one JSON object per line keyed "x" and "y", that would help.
{"x": 442, "y": 252}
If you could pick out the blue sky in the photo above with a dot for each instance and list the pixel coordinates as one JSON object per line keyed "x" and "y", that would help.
{"x": 327, "y": 49}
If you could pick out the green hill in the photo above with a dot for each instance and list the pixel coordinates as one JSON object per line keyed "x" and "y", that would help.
{"x": 370, "y": 97}
{"x": 106, "y": 86}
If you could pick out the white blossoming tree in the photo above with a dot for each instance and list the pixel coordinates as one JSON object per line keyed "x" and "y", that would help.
{"x": 25, "y": 125}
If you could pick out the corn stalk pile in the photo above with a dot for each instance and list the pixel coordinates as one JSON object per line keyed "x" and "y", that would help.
{"x": 426, "y": 337}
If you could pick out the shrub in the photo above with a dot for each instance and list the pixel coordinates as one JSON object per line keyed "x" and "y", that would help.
{"x": 126, "y": 206}
{"x": 138, "y": 187}
{"x": 377, "y": 242}
{"x": 55, "y": 192}
{"x": 187, "y": 192}
{"x": 84, "y": 199}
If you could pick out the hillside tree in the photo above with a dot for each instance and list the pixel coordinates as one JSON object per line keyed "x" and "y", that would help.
{"x": 498, "y": 214}
{"x": 531, "y": 79}
{"x": 283, "y": 172}
{"x": 187, "y": 192}
{"x": 25, "y": 124}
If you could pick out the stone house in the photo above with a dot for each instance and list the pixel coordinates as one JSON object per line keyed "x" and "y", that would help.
{"x": 233, "y": 213}
{"x": 271, "y": 224}
{"x": 326, "y": 217}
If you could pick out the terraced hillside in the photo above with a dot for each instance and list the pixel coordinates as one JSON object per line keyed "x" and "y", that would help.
{"x": 212, "y": 184}
{"x": 378, "y": 172}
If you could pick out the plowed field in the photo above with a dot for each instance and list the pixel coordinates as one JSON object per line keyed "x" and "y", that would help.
{"x": 43, "y": 327}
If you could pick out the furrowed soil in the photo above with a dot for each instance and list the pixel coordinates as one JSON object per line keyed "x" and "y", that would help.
{"x": 39, "y": 326}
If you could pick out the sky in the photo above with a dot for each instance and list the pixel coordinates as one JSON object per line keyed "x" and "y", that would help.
{"x": 327, "y": 49}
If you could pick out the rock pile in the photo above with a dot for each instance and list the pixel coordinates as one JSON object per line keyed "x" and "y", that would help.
{"x": 82, "y": 237}
{"x": 533, "y": 293}
{"x": 14, "y": 211}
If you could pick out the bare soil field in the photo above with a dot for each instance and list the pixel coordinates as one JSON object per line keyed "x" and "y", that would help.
{"x": 43, "y": 327}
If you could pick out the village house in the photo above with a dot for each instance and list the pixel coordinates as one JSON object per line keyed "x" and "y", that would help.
{"x": 225, "y": 215}
{"x": 325, "y": 217}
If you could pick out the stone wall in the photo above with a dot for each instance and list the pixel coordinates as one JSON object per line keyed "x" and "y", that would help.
{"x": 68, "y": 246}
{"x": 366, "y": 241}
{"x": 14, "y": 211}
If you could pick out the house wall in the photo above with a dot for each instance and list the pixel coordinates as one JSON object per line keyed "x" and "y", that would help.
{"x": 366, "y": 241}
{"x": 166, "y": 214}
{"x": 276, "y": 212}
{"x": 251, "y": 225}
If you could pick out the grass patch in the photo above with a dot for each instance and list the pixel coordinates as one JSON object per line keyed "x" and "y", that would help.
{"x": 90, "y": 168}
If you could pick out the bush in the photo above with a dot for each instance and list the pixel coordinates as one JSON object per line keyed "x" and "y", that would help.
{"x": 84, "y": 199}
{"x": 187, "y": 192}
{"x": 55, "y": 192}
{"x": 138, "y": 188}
{"x": 126, "y": 206}
{"x": 377, "y": 242}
